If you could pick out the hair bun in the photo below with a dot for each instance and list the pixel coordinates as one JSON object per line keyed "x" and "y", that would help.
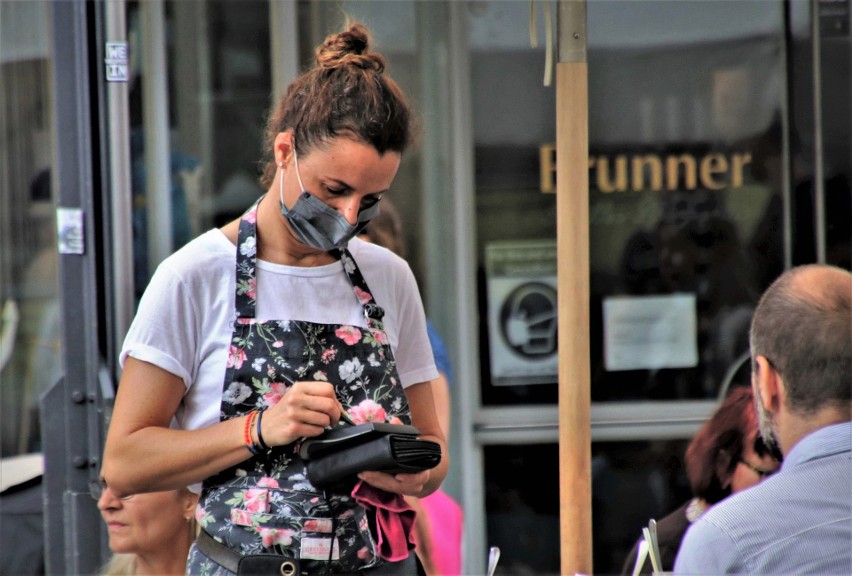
{"x": 349, "y": 48}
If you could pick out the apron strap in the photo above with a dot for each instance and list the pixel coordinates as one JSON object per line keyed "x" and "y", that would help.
{"x": 245, "y": 293}
{"x": 372, "y": 311}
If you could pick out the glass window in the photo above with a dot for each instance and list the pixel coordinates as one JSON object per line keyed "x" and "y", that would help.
{"x": 686, "y": 171}
{"x": 219, "y": 87}
{"x": 514, "y": 122}
{"x": 30, "y": 336}
{"x": 631, "y": 483}
{"x": 686, "y": 174}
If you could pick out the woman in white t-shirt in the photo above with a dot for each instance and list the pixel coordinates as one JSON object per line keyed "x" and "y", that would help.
{"x": 260, "y": 334}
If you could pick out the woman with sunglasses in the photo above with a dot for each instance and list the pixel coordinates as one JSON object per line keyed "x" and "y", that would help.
{"x": 725, "y": 456}
{"x": 269, "y": 330}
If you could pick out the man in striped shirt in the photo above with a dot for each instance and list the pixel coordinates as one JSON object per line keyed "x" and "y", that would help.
{"x": 799, "y": 521}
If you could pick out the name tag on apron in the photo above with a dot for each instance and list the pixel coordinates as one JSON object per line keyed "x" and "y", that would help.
{"x": 319, "y": 549}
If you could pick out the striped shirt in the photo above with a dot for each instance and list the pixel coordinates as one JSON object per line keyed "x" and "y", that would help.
{"x": 798, "y": 521}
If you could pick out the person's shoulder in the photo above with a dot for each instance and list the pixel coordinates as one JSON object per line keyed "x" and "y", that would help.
{"x": 743, "y": 506}
{"x": 369, "y": 255}
{"x": 707, "y": 548}
{"x": 206, "y": 253}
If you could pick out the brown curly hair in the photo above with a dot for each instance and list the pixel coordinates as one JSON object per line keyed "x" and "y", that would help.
{"x": 346, "y": 93}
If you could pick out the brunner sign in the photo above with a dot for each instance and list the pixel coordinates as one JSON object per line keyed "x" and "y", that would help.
{"x": 648, "y": 172}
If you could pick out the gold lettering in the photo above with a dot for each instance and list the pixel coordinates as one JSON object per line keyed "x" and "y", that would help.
{"x": 739, "y": 160}
{"x": 652, "y": 172}
{"x": 637, "y": 169}
{"x": 710, "y": 165}
{"x": 673, "y": 173}
{"x": 604, "y": 181}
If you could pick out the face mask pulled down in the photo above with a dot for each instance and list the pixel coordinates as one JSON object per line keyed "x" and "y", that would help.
{"x": 318, "y": 225}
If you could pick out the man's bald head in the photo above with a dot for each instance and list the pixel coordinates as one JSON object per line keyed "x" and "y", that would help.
{"x": 803, "y": 326}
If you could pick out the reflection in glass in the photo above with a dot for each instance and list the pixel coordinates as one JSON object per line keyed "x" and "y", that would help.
{"x": 631, "y": 483}
{"x": 30, "y": 345}
{"x": 219, "y": 86}
{"x": 683, "y": 197}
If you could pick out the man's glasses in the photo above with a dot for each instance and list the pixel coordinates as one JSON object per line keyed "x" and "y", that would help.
{"x": 97, "y": 487}
{"x": 763, "y": 473}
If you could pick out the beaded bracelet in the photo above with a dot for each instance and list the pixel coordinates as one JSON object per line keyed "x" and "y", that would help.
{"x": 260, "y": 440}
{"x": 247, "y": 433}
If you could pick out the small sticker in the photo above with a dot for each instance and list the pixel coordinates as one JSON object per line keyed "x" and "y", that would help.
{"x": 319, "y": 549}
{"x": 116, "y": 62}
{"x": 69, "y": 225}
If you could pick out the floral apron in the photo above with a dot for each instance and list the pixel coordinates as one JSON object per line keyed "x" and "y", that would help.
{"x": 266, "y": 505}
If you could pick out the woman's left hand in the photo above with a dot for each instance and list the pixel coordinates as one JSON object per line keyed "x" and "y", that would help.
{"x": 408, "y": 484}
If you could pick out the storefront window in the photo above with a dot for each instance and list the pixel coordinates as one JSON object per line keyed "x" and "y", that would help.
{"x": 219, "y": 87}
{"x": 685, "y": 170}
{"x": 686, "y": 197}
{"x": 631, "y": 483}
{"x": 30, "y": 345}
{"x": 514, "y": 119}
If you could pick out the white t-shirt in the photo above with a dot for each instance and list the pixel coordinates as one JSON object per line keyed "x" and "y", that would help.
{"x": 185, "y": 318}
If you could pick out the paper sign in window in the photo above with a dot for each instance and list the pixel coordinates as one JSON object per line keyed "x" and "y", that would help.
{"x": 649, "y": 332}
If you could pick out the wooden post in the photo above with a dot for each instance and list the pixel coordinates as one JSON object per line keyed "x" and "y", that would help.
{"x": 572, "y": 237}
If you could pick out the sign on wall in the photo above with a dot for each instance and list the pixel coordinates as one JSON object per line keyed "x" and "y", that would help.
{"x": 522, "y": 315}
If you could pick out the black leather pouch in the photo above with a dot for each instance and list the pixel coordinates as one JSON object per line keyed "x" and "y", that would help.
{"x": 268, "y": 565}
{"x": 337, "y": 455}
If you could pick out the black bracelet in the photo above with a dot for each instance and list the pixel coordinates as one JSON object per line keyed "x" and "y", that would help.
{"x": 260, "y": 440}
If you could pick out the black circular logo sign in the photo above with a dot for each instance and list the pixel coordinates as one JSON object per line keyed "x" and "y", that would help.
{"x": 528, "y": 320}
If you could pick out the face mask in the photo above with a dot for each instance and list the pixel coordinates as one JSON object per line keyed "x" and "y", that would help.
{"x": 318, "y": 225}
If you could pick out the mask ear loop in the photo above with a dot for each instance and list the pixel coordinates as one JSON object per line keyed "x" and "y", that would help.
{"x": 281, "y": 183}
{"x": 298, "y": 176}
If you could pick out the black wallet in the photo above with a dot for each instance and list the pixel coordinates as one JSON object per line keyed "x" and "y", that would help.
{"x": 338, "y": 454}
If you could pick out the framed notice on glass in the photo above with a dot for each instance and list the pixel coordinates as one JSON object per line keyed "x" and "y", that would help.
{"x": 650, "y": 332}
{"x": 522, "y": 316}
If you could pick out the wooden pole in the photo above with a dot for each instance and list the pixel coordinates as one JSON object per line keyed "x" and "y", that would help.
{"x": 572, "y": 237}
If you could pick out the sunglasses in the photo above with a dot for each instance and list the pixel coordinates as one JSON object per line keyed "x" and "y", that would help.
{"x": 763, "y": 473}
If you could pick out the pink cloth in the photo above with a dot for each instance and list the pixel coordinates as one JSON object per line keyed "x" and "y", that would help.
{"x": 445, "y": 518}
{"x": 394, "y": 520}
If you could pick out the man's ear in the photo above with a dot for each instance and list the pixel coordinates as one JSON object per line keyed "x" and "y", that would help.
{"x": 768, "y": 385}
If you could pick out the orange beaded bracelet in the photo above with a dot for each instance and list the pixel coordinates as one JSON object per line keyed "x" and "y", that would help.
{"x": 247, "y": 432}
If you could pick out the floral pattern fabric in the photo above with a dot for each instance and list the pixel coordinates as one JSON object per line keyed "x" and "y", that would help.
{"x": 266, "y": 504}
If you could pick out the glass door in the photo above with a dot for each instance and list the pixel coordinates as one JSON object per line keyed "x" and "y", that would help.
{"x": 685, "y": 101}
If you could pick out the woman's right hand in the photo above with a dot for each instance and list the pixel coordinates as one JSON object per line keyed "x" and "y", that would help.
{"x": 306, "y": 409}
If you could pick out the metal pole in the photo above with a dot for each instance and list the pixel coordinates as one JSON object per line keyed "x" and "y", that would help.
{"x": 572, "y": 238}
{"x": 158, "y": 191}
{"x": 121, "y": 194}
{"x": 71, "y": 419}
{"x": 819, "y": 172}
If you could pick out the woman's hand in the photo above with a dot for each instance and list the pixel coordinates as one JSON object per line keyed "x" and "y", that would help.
{"x": 424, "y": 418}
{"x": 407, "y": 484}
{"x": 306, "y": 409}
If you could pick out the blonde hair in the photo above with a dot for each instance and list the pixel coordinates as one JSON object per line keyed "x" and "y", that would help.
{"x": 120, "y": 565}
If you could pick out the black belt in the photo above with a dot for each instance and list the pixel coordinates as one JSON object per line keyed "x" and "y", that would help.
{"x": 266, "y": 564}
{"x": 278, "y": 564}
